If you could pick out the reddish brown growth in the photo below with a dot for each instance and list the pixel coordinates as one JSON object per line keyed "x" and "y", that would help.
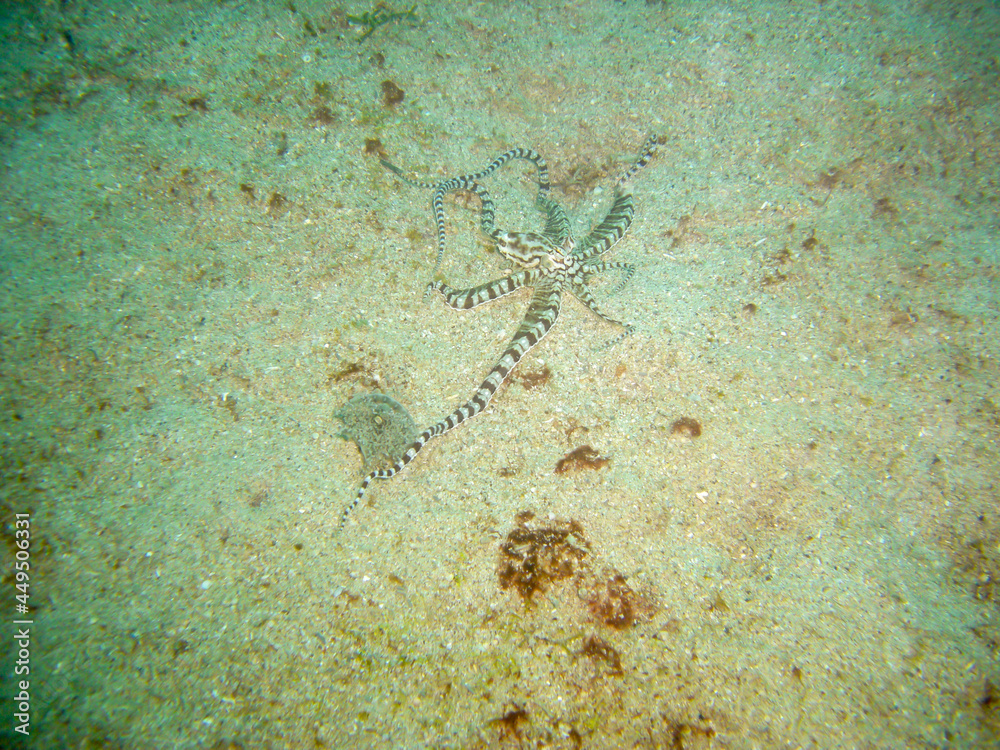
{"x": 373, "y": 147}
{"x": 510, "y": 722}
{"x": 686, "y": 426}
{"x": 524, "y": 516}
{"x": 988, "y": 700}
{"x": 884, "y": 208}
{"x": 323, "y": 116}
{"x": 531, "y": 559}
{"x": 391, "y": 93}
{"x": 533, "y": 379}
{"x": 357, "y": 371}
{"x": 583, "y": 177}
{"x": 228, "y": 401}
{"x": 681, "y": 734}
{"x": 600, "y": 651}
{"x": 583, "y": 457}
{"x": 833, "y": 176}
{"x": 828, "y": 180}
{"x": 616, "y": 604}
{"x": 277, "y": 203}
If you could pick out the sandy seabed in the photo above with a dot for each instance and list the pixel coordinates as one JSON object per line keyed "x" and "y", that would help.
{"x": 785, "y": 533}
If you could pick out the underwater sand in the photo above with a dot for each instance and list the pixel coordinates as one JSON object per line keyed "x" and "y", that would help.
{"x": 201, "y": 265}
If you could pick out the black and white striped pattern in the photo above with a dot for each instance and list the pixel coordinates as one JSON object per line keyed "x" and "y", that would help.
{"x": 551, "y": 264}
{"x": 469, "y": 182}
